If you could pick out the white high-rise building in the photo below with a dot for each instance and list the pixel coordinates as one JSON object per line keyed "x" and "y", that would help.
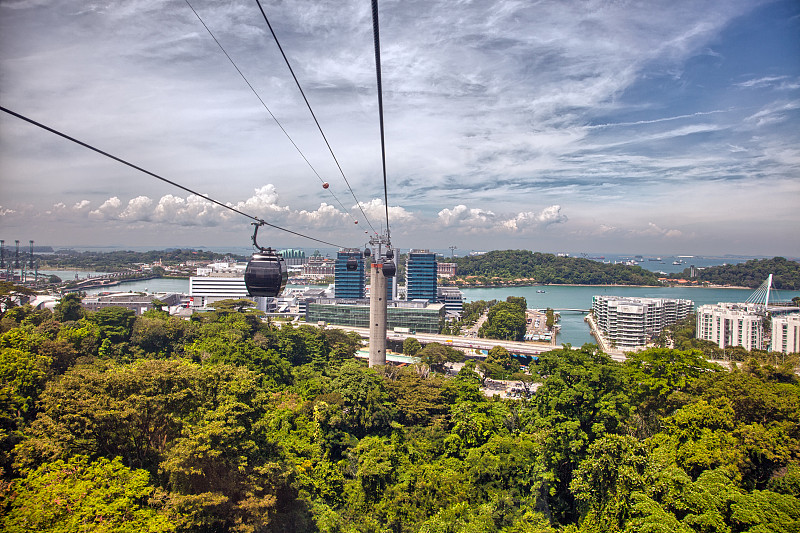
{"x": 732, "y": 324}
{"x": 629, "y": 322}
{"x": 786, "y": 333}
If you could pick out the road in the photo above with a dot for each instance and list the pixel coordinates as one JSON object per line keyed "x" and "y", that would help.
{"x": 520, "y": 348}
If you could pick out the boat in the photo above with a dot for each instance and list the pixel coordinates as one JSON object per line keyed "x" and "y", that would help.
{"x": 677, "y": 262}
{"x": 540, "y": 291}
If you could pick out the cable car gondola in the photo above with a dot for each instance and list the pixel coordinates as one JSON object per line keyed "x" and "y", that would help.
{"x": 266, "y": 274}
{"x": 389, "y": 270}
{"x": 367, "y": 252}
{"x": 352, "y": 264}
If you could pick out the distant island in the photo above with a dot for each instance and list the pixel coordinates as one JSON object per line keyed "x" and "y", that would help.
{"x": 498, "y": 268}
{"x": 751, "y": 274}
{"x": 523, "y": 267}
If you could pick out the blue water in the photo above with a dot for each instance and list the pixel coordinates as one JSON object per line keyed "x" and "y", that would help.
{"x": 573, "y": 329}
{"x": 576, "y": 332}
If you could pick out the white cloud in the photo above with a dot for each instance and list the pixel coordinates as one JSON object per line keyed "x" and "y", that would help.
{"x": 614, "y": 108}
{"x": 377, "y": 213}
{"x": 263, "y": 204}
{"x": 773, "y": 113}
{"x": 657, "y": 231}
{"x": 463, "y": 216}
{"x": 107, "y": 210}
{"x": 325, "y": 216}
{"x": 190, "y": 211}
{"x": 480, "y": 220}
{"x": 761, "y": 82}
{"x": 531, "y": 220}
{"x": 138, "y": 209}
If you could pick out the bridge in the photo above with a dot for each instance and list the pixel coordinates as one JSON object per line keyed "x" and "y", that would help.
{"x": 565, "y": 310}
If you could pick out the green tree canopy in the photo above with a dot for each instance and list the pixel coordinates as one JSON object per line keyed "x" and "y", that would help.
{"x": 79, "y": 495}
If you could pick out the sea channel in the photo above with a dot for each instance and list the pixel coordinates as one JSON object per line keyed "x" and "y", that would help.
{"x": 573, "y": 328}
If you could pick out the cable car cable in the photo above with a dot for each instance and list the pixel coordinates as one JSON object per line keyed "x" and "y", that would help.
{"x": 297, "y": 82}
{"x": 165, "y": 180}
{"x": 377, "y": 40}
{"x": 219, "y": 44}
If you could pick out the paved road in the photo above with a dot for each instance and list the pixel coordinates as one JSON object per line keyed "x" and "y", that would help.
{"x": 522, "y": 348}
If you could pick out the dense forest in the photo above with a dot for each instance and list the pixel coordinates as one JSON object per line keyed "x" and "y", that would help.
{"x": 786, "y": 274}
{"x": 550, "y": 269}
{"x": 125, "y": 259}
{"x": 115, "y": 422}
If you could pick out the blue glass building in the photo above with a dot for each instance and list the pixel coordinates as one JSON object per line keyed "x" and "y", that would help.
{"x": 421, "y": 276}
{"x": 349, "y": 283}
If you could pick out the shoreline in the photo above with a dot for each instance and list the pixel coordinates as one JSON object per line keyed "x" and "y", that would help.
{"x": 493, "y": 286}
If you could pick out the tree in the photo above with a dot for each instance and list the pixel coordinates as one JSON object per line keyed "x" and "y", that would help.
{"x": 378, "y": 460}
{"x": 69, "y": 308}
{"x": 660, "y": 372}
{"x": 231, "y": 305}
{"x": 582, "y": 399}
{"x": 435, "y": 355}
{"x": 417, "y": 399}
{"x": 366, "y": 408}
{"x": 11, "y": 294}
{"x": 411, "y": 346}
{"x": 80, "y": 495}
{"x": 115, "y": 323}
{"x": 613, "y": 469}
{"x": 499, "y": 364}
{"x": 505, "y": 321}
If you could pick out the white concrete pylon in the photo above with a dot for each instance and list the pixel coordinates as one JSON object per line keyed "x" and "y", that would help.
{"x": 377, "y": 316}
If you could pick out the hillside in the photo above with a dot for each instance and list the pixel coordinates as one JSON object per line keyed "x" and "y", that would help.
{"x": 551, "y": 269}
{"x": 115, "y": 422}
{"x": 785, "y": 274}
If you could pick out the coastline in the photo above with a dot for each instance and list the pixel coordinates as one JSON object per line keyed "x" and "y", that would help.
{"x": 666, "y": 286}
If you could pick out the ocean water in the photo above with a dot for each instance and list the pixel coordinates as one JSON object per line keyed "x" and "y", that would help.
{"x": 573, "y": 328}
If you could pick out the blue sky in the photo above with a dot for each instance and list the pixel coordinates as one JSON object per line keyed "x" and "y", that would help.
{"x": 631, "y": 127}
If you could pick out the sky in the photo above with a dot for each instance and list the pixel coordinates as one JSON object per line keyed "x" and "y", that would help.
{"x": 652, "y": 127}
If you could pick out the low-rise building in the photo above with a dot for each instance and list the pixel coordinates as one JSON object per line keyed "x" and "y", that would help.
{"x": 137, "y": 302}
{"x": 417, "y": 316}
{"x": 446, "y": 270}
{"x": 319, "y": 267}
{"x": 204, "y": 290}
{"x": 452, "y": 298}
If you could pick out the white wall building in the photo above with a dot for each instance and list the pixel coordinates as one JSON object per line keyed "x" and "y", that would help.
{"x": 629, "y": 322}
{"x": 732, "y": 324}
{"x": 205, "y": 290}
{"x": 786, "y": 333}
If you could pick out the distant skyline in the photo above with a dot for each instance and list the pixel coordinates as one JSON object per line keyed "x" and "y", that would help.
{"x": 665, "y": 127}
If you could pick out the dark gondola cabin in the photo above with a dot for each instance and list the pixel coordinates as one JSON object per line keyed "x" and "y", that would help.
{"x": 266, "y": 274}
{"x": 389, "y": 270}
